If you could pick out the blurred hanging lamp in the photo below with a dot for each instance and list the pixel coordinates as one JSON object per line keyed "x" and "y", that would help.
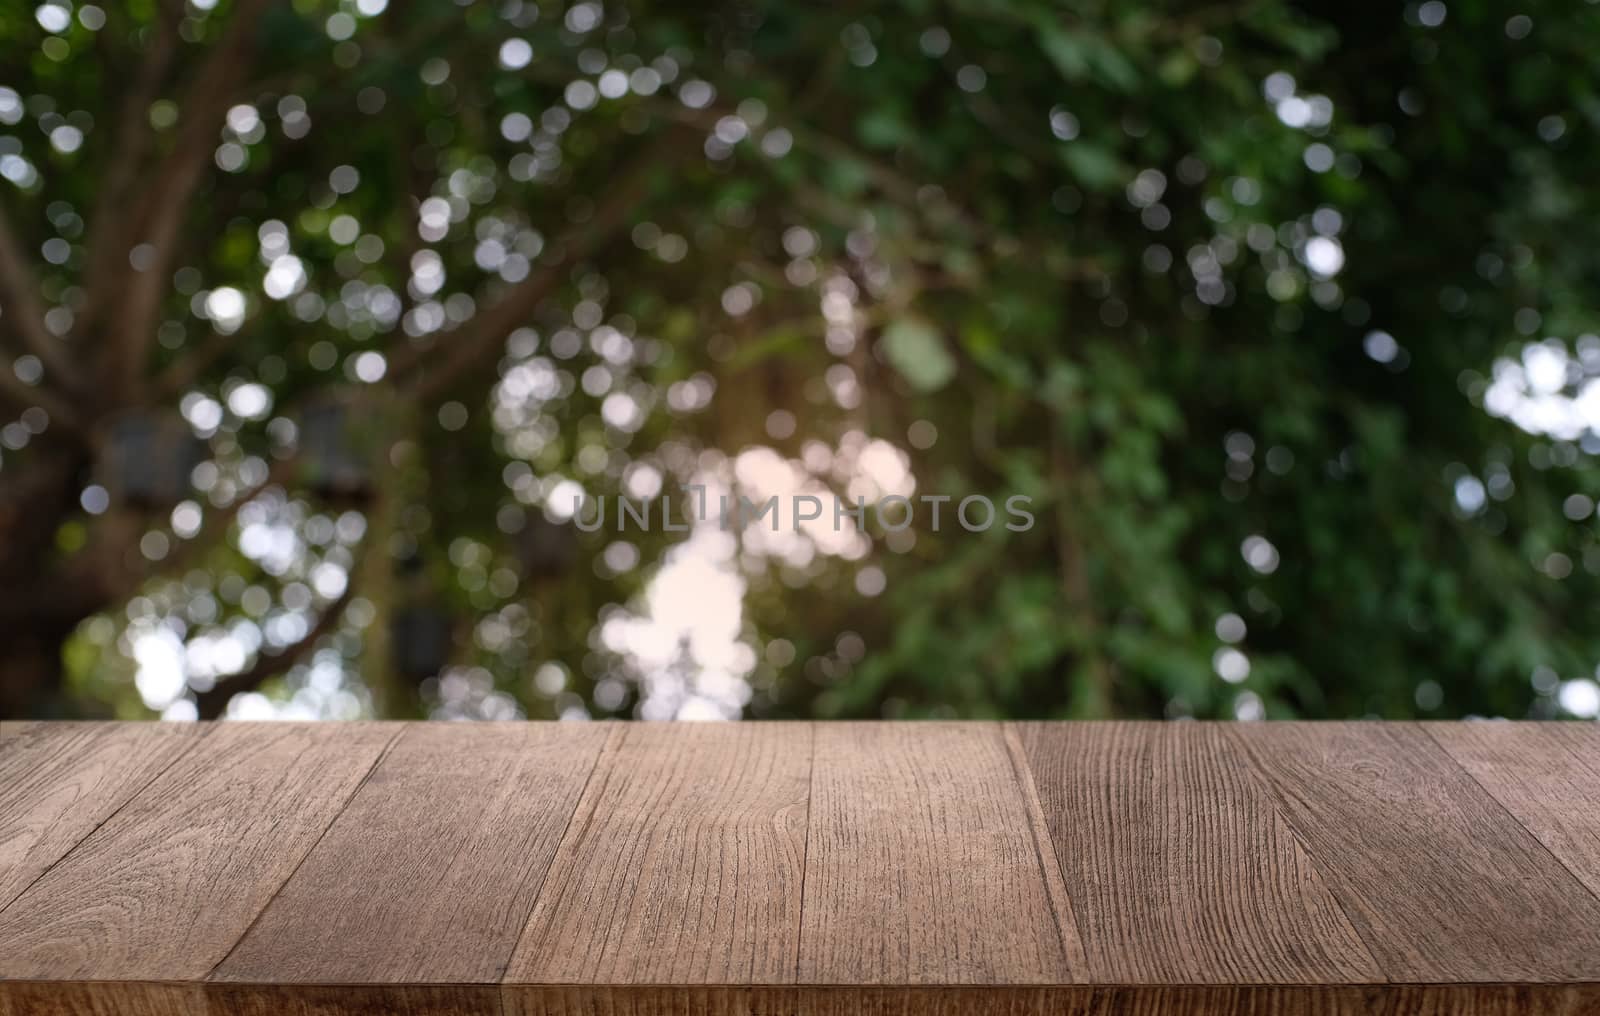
{"x": 339, "y": 436}
{"x": 545, "y": 549}
{"x": 422, "y": 633}
{"x": 148, "y": 457}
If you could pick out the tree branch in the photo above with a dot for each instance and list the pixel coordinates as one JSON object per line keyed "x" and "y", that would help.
{"x": 13, "y": 391}
{"x": 214, "y": 527}
{"x": 457, "y": 351}
{"x": 113, "y": 216}
{"x": 214, "y": 702}
{"x": 184, "y": 371}
{"x": 101, "y": 574}
{"x": 21, "y": 396}
{"x": 173, "y": 183}
{"x": 19, "y": 292}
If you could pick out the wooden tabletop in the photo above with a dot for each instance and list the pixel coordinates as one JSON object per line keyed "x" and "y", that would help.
{"x": 799, "y": 868}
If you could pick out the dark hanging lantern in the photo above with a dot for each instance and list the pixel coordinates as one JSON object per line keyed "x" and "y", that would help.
{"x": 421, "y": 641}
{"x": 338, "y": 444}
{"x": 421, "y": 633}
{"x": 545, "y": 549}
{"x": 149, "y": 457}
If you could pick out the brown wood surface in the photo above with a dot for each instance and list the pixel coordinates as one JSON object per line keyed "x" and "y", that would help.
{"x": 1059, "y": 1000}
{"x": 800, "y": 869}
{"x": 58, "y": 782}
{"x": 169, "y": 883}
{"x": 1181, "y": 871}
{"x": 445, "y": 847}
{"x": 692, "y": 834}
{"x": 1442, "y": 883}
{"x": 1547, "y": 775}
{"x": 102, "y": 998}
{"x": 922, "y": 865}
{"x": 35, "y": 998}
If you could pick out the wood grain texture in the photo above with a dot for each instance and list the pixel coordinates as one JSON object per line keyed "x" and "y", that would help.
{"x": 444, "y": 847}
{"x": 683, "y": 863}
{"x": 101, "y": 998}
{"x": 226, "y": 999}
{"x": 922, "y": 866}
{"x": 802, "y": 870}
{"x": 39, "y": 998}
{"x": 59, "y": 781}
{"x": 1059, "y": 1000}
{"x": 1547, "y": 775}
{"x": 1179, "y": 869}
{"x": 1442, "y": 884}
{"x": 167, "y": 885}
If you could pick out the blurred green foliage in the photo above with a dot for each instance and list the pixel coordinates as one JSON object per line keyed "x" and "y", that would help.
{"x": 1282, "y": 314}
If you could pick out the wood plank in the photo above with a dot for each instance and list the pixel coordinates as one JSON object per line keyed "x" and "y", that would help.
{"x": 922, "y": 863}
{"x": 58, "y": 781}
{"x": 224, "y": 999}
{"x": 101, "y": 998}
{"x": 942, "y": 868}
{"x": 1545, "y": 774}
{"x": 1178, "y": 867}
{"x": 1058, "y": 1000}
{"x": 683, "y": 864}
{"x": 167, "y": 885}
{"x": 89, "y": 998}
{"x": 1440, "y": 882}
{"x": 443, "y": 848}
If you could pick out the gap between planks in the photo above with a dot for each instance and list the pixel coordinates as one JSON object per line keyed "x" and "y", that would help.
{"x": 194, "y": 743}
{"x": 1044, "y": 848}
{"x": 1565, "y": 748}
{"x": 805, "y": 853}
{"x": 388, "y": 746}
{"x": 614, "y": 740}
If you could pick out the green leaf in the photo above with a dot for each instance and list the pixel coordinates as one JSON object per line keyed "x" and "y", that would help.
{"x": 776, "y": 343}
{"x": 1113, "y": 68}
{"x": 884, "y": 127}
{"x": 1078, "y": 55}
{"x": 1064, "y": 49}
{"x": 1096, "y": 167}
{"x": 916, "y": 349}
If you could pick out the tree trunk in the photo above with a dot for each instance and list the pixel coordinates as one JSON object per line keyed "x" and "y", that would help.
{"x": 31, "y": 673}
{"x": 37, "y": 614}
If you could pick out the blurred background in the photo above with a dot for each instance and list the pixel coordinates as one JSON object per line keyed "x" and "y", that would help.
{"x": 317, "y": 317}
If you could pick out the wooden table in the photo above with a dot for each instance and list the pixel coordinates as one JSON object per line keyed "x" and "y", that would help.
{"x": 799, "y": 868}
